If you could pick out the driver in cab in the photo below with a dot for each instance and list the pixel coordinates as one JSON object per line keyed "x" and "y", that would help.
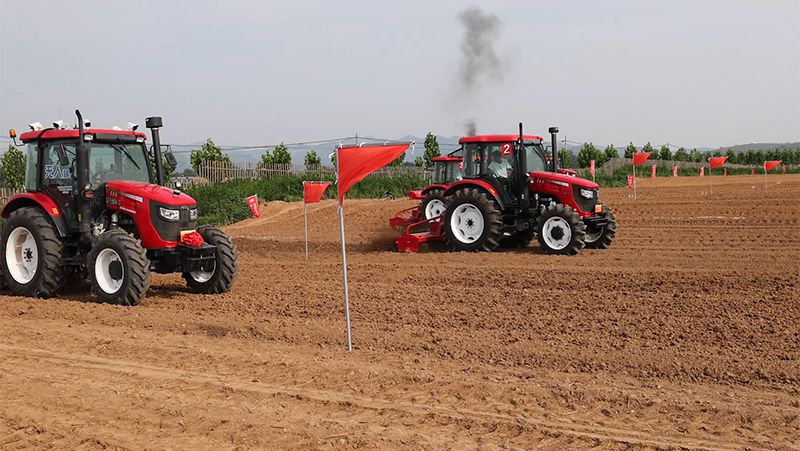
{"x": 499, "y": 166}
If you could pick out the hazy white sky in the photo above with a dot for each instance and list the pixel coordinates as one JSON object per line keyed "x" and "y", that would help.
{"x": 694, "y": 73}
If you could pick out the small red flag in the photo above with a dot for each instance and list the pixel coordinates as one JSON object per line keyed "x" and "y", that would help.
{"x": 252, "y": 202}
{"x": 312, "y": 191}
{"x": 783, "y": 169}
{"x": 770, "y": 165}
{"x": 702, "y": 171}
{"x": 355, "y": 163}
{"x": 753, "y": 172}
{"x": 591, "y": 167}
{"x": 653, "y": 171}
{"x": 675, "y": 171}
{"x": 716, "y": 162}
{"x": 630, "y": 180}
{"x": 640, "y": 158}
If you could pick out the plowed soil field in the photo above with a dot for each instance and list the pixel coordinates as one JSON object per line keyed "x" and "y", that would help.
{"x": 685, "y": 334}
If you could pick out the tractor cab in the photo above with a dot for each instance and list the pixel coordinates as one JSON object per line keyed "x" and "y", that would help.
{"x": 447, "y": 169}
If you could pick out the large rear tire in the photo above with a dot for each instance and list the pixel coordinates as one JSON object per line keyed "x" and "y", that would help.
{"x": 226, "y": 264}
{"x": 560, "y": 230}
{"x": 602, "y": 237}
{"x": 472, "y": 221}
{"x": 119, "y": 269}
{"x": 433, "y": 204}
{"x": 32, "y": 252}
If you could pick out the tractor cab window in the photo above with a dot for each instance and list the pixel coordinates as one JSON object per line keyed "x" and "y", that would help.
{"x": 453, "y": 171}
{"x": 32, "y": 167}
{"x": 56, "y": 173}
{"x": 493, "y": 159}
{"x": 536, "y": 157}
{"x": 439, "y": 172}
{"x": 111, "y": 161}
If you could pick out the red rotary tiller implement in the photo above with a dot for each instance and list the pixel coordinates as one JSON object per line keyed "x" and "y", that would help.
{"x": 510, "y": 192}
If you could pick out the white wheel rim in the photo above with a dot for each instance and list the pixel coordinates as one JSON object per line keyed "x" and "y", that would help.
{"x": 22, "y": 255}
{"x": 591, "y": 237}
{"x": 467, "y": 223}
{"x": 434, "y": 208}
{"x": 557, "y": 233}
{"x": 203, "y": 276}
{"x": 102, "y": 271}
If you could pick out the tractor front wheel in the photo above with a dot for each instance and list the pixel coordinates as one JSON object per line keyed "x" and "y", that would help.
{"x": 602, "y": 237}
{"x": 219, "y": 279}
{"x": 433, "y": 204}
{"x": 119, "y": 269}
{"x": 32, "y": 253}
{"x": 472, "y": 221}
{"x": 560, "y": 230}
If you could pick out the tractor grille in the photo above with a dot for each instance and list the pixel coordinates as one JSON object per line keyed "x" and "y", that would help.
{"x": 170, "y": 230}
{"x": 587, "y": 205}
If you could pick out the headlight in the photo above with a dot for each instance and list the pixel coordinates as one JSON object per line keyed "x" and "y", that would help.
{"x": 587, "y": 193}
{"x": 193, "y": 214}
{"x": 169, "y": 214}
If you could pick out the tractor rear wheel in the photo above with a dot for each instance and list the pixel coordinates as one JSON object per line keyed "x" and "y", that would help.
{"x": 118, "y": 268}
{"x": 560, "y": 230}
{"x": 433, "y": 204}
{"x": 220, "y": 279}
{"x": 32, "y": 250}
{"x": 472, "y": 221}
{"x": 602, "y": 237}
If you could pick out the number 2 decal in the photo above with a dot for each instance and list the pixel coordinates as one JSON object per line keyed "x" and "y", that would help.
{"x": 506, "y": 149}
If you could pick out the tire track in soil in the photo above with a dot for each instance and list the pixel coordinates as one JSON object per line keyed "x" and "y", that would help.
{"x": 594, "y": 432}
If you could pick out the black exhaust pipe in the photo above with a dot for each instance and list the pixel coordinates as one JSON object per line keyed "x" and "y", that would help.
{"x": 154, "y": 123}
{"x": 85, "y": 206}
{"x": 553, "y": 132}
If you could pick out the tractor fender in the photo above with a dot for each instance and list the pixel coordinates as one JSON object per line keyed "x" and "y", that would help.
{"x": 479, "y": 184}
{"x": 428, "y": 188}
{"x": 40, "y": 200}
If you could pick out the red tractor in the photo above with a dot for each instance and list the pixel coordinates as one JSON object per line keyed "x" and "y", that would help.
{"x": 446, "y": 170}
{"x": 512, "y": 192}
{"x": 95, "y": 206}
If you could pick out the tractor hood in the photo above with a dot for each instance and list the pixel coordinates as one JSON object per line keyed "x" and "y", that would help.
{"x": 143, "y": 190}
{"x": 562, "y": 178}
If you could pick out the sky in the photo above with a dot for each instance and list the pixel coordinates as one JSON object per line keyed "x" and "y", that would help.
{"x": 696, "y": 73}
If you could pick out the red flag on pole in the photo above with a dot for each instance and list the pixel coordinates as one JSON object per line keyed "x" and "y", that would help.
{"x": 783, "y": 169}
{"x": 716, "y": 162}
{"x": 591, "y": 168}
{"x": 702, "y": 171}
{"x": 355, "y": 163}
{"x": 630, "y": 181}
{"x": 640, "y": 158}
{"x": 252, "y": 202}
{"x": 653, "y": 171}
{"x": 675, "y": 171}
{"x": 753, "y": 172}
{"x": 770, "y": 165}
{"x": 312, "y": 191}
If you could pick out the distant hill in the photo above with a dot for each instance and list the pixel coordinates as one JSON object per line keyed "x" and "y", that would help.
{"x": 760, "y": 146}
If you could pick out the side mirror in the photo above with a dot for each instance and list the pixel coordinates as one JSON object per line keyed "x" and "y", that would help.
{"x": 63, "y": 160}
{"x": 170, "y": 158}
{"x": 178, "y": 185}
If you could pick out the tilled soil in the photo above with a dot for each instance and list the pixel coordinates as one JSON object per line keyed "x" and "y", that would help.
{"x": 685, "y": 334}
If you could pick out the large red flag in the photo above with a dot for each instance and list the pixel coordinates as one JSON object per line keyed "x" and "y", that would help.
{"x": 640, "y": 158}
{"x": 355, "y": 163}
{"x": 312, "y": 191}
{"x": 716, "y": 162}
{"x": 770, "y": 165}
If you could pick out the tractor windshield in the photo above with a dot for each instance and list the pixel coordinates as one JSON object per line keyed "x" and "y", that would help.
{"x": 536, "y": 157}
{"x": 112, "y": 161}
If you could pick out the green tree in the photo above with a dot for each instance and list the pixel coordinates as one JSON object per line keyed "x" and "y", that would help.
{"x": 681, "y": 154}
{"x": 695, "y": 156}
{"x": 208, "y": 152}
{"x": 566, "y": 158}
{"x": 648, "y": 148}
{"x": 419, "y": 162}
{"x": 665, "y": 153}
{"x": 280, "y": 155}
{"x": 431, "y": 149}
{"x": 312, "y": 159}
{"x": 630, "y": 150}
{"x": 609, "y": 153}
{"x": 13, "y": 168}
{"x": 587, "y": 153}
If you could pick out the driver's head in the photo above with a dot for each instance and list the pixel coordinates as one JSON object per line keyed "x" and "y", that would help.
{"x": 496, "y": 155}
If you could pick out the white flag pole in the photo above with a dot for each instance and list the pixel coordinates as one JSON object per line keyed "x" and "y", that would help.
{"x": 634, "y": 176}
{"x": 305, "y": 218}
{"x": 344, "y": 255}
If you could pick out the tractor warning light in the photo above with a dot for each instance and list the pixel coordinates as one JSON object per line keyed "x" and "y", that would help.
{"x": 12, "y": 133}
{"x": 598, "y": 208}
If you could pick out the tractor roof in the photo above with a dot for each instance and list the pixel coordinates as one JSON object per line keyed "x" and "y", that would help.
{"x": 496, "y": 138}
{"x": 52, "y": 133}
{"x": 447, "y": 158}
